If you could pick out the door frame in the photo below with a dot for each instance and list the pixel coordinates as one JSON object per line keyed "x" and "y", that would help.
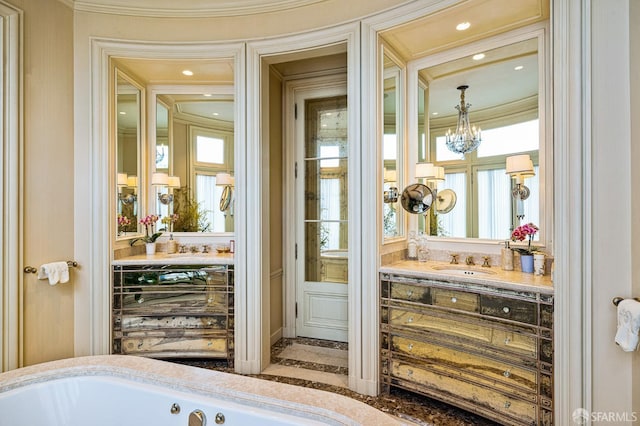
{"x": 11, "y": 182}
{"x": 332, "y": 85}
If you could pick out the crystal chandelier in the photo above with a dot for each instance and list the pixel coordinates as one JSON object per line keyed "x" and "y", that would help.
{"x": 466, "y": 138}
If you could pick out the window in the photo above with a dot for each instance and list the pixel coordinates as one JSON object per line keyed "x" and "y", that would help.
{"x": 485, "y": 207}
{"x": 209, "y": 150}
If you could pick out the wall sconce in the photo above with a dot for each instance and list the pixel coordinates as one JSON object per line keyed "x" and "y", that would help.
{"x": 228, "y": 181}
{"x": 520, "y": 167}
{"x": 125, "y": 181}
{"x": 163, "y": 179}
{"x": 391, "y": 194}
{"x": 445, "y": 200}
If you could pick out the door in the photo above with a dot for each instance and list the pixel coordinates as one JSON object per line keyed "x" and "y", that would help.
{"x": 322, "y": 262}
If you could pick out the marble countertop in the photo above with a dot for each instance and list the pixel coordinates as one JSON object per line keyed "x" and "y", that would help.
{"x": 177, "y": 259}
{"x": 493, "y": 276}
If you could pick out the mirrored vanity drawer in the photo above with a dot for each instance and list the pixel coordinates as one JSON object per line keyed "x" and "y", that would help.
{"x": 410, "y": 292}
{"x": 477, "y": 398}
{"x": 511, "y": 309}
{"x": 128, "y": 323}
{"x": 470, "y": 366}
{"x": 168, "y": 344}
{"x": 454, "y": 299}
{"x": 468, "y": 331}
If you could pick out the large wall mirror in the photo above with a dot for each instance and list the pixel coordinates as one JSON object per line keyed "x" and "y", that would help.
{"x": 128, "y": 133}
{"x": 392, "y": 145}
{"x": 193, "y": 144}
{"x": 505, "y": 80}
{"x": 182, "y": 168}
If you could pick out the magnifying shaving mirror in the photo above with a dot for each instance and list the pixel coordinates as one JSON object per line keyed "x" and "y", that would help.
{"x": 416, "y": 198}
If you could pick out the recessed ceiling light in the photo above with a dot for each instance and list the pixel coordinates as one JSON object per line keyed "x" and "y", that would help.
{"x": 518, "y": 68}
{"x": 208, "y": 95}
{"x": 215, "y": 114}
{"x": 434, "y": 113}
{"x": 463, "y": 26}
{"x": 123, "y": 113}
{"x": 187, "y": 72}
{"x": 478, "y": 56}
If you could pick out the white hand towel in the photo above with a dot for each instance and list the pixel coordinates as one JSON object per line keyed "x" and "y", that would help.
{"x": 628, "y": 324}
{"x": 55, "y": 272}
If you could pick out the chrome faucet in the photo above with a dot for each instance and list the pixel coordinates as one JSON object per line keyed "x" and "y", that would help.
{"x": 469, "y": 260}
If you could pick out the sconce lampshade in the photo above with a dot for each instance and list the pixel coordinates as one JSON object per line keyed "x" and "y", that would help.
{"x": 160, "y": 179}
{"x": 429, "y": 171}
{"x": 122, "y": 179}
{"x": 132, "y": 181}
{"x": 174, "y": 182}
{"x": 224, "y": 179}
{"x": 520, "y": 166}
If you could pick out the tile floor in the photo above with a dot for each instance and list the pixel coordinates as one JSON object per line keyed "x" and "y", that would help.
{"x": 322, "y": 364}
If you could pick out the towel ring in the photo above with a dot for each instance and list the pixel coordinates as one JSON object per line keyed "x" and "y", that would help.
{"x": 32, "y": 270}
{"x": 617, "y": 300}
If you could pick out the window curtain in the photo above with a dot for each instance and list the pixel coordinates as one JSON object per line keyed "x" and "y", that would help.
{"x": 205, "y": 186}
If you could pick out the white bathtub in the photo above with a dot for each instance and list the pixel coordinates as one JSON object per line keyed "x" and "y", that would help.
{"x": 133, "y": 391}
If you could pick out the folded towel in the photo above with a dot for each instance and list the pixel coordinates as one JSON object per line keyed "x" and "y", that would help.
{"x": 55, "y": 272}
{"x": 628, "y": 324}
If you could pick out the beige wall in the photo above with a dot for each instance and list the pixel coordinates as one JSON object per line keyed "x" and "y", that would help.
{"x": 275, "y": 203}
{"x": 48, "y": 176}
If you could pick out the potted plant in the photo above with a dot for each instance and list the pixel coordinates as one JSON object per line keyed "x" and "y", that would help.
{"x": 521, "y": 233}
{"x": 150, "y": 236}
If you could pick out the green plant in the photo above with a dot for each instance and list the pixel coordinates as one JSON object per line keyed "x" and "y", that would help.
{"x": 191, "y": 216}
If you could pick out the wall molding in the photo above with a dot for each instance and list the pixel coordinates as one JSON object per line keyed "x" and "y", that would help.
{"x": 11, "y": 182}
{"x": 200, "y": 9}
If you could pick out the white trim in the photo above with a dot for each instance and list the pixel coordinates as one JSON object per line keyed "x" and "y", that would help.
{"x": 572, "y": 166}
{"x": 11, "y": 182}
{"x": 94, "y": 160}
{"x": 221, "y": 8}
{"x": 258, "y": 259}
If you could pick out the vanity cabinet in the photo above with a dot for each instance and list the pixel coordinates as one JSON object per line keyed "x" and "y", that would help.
{"x": 485, "y": 349}
{"x": 165, "y": 311}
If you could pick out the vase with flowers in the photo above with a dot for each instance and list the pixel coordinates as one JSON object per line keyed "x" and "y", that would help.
{"x": 521, "y": 233}
{"x": 123, "y": 222}
{"x": 150, "y": 236}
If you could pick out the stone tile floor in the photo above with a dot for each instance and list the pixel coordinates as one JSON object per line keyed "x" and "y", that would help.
{"x": 322, "y": 364}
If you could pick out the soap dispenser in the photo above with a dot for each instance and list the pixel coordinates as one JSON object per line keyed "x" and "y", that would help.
{"x": 507, "y": 257}
{"x": 172, "y": 245}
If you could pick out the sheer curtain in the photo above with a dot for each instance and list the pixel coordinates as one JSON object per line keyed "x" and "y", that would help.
{"x": 454, "y": 223}
{"x": 330, "y": 210}
{"x": 494, "y": 204}
{"x": 205, "y": 186}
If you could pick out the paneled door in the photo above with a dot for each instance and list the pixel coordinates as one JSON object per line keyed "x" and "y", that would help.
{"x": 321, "y": 215}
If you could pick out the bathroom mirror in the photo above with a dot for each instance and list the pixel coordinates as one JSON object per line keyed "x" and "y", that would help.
{"x": 128, "y": 135}
{"x": 392, "y": 145}
{"x": 199, "y": 145}
{"x": 416, "y": 198}
{"x": 507, "y": 97}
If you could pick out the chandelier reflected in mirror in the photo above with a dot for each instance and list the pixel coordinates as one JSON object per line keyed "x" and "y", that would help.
{"x": 466, "y": 138}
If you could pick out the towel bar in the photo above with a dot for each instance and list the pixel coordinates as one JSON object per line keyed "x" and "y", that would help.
{"x": 32, "y": 270}
{"x": 617, "y": 300}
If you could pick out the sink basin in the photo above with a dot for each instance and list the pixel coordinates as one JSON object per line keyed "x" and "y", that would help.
{"x": 463, "y": 270}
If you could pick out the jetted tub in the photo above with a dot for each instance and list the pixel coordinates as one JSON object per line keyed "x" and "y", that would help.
{"x": 120, "y": 390}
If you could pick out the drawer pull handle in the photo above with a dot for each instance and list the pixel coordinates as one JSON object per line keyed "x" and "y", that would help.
{"x": 454, "y": 299}
{"x": 410, "y": 346}
{"x": 507, "y": 341}
{"x": 210, "y": 300}
{"x": 506, "y": 310}
{"x": 410, "y": 372}
{"x": 409, "y": 293}
{"x": 410, "y": 319}
{"x": 141, "y": 300}
{"x": 507, "y": 404}
{"x": 507, "y": 373}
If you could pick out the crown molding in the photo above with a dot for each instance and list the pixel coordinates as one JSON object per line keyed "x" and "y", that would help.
{"x": 193, "y": 9}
